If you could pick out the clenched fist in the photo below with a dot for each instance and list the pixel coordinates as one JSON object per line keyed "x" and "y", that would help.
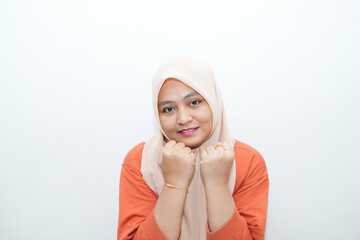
{"x": 215, "y": 164}
{"x": 177, "y": 163}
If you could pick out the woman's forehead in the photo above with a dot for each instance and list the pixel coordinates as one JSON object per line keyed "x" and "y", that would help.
{"x": 174, "y": 81}
{"x": 174, "y": 87}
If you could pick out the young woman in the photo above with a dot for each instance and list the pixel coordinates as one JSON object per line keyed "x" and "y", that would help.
{"x": 191, "y": 180}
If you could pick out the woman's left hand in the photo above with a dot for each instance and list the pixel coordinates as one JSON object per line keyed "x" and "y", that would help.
{"x": 215, "y": 164}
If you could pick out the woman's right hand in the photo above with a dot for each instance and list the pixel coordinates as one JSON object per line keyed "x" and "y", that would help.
{"x": 177, "y": 163}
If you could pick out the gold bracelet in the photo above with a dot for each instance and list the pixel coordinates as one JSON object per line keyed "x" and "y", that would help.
{"x": 178, "y": 187}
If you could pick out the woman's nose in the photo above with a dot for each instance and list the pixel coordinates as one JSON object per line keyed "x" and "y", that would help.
{"x": 183, "y": 116}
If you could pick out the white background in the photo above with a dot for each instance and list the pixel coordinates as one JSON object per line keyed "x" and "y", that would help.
{"x": 75, "y": 97}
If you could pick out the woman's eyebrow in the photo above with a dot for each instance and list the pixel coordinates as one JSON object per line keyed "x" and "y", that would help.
{"x": 164, "y": 103}
{"x": 191, "y": 95}
{"x": 187, "y": 96}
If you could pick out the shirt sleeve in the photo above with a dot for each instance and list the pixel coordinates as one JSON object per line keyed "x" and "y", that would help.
{"x": 251, "y": 199}
{"x": 136, "y": 203}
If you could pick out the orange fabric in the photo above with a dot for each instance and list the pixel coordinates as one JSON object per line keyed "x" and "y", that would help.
{"x": 137, "y": 200}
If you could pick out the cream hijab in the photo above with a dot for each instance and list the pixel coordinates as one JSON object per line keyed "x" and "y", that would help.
{"x": 198, "y": 76}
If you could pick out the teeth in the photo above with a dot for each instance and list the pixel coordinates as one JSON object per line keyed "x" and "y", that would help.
{"x": 188, "y": 130}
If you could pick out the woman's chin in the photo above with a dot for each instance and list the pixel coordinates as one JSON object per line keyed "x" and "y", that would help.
{"x": 190, "y": 143}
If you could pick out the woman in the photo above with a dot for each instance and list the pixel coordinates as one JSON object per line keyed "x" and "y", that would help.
{"x": 191, "y": 180}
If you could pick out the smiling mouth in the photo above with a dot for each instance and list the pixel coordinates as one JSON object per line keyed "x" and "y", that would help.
{"x": 188, "y": 132}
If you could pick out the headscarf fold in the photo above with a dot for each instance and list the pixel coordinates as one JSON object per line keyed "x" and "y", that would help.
{"x": 199, "y": 76}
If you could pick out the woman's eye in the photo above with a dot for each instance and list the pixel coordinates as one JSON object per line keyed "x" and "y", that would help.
{"x": 168, "y": 109}
{"x": 195, "y": 102}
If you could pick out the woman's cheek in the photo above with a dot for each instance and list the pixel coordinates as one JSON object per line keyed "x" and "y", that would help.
{"x": 166, "y": 124}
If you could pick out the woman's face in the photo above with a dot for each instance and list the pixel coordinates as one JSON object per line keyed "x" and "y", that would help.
{"x": 184, "y": 114}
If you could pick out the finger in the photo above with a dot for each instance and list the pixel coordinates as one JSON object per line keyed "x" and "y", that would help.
{"x": 210, "y": 150}
{"x": 179, "y": 146}
{"x": 187, "y": 150}
{"x": 227, "y": 147}
{"x": 169, "y": 145}
{"x": 219, "y": 147}
{"x": 203, "y": 154}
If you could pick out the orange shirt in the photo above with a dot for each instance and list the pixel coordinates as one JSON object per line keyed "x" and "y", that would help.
{"x": 137, "y": 200}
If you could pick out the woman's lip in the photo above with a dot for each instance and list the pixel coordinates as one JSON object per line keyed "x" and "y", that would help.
{"x": 191, "y": 132}
{"x": 187, "y": 129}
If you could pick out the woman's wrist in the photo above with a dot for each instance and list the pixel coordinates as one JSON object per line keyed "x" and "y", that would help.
{"x": 177, "y": 182}
{"x": 177, "y": 186}
{"x": 215, "y": 183}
